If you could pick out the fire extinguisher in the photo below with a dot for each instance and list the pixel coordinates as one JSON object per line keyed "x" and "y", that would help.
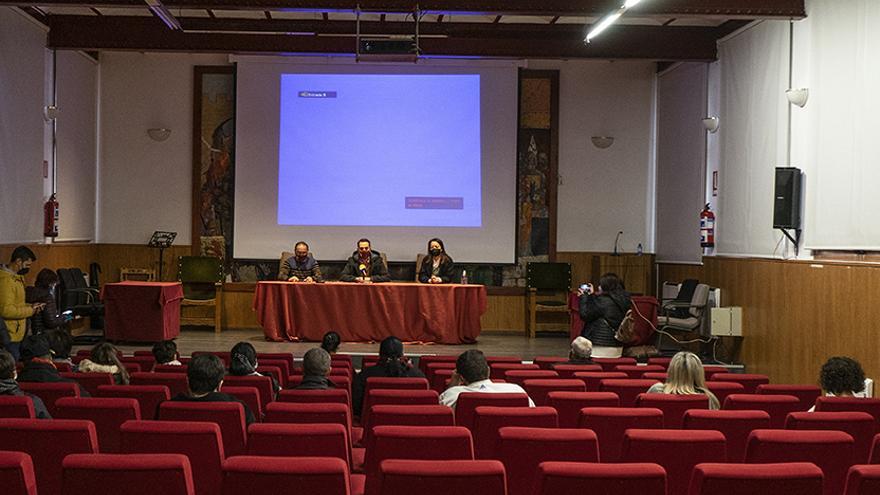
{"x": 50, "y": 217}
{"x": 707, "y": 228}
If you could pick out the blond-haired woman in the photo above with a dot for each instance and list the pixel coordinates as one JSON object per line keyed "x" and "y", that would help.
{"x": 686, "y": 377}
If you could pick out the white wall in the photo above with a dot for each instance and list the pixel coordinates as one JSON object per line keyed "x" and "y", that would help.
{"x": 604, "y": 191}
{"x": 145, "y": 185}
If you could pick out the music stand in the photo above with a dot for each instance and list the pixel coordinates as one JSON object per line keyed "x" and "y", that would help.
{"x": 161, "y": 240}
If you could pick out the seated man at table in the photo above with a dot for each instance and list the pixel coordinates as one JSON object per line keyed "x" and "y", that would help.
{"x": 316, "y": 369}
{"x": 472, "y": 375}
{"x": 301, "y": 267}
{"x": 365, "y": 265}
{"x": 205, "y": 376}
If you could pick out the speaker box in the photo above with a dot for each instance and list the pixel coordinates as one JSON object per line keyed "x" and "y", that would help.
{"x": 787, "y": 198}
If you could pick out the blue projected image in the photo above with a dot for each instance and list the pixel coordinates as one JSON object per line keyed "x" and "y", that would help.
{"x": 379, "y": 150}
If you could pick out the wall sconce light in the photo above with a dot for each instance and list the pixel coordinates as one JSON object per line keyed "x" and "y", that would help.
{"x": 602, "y": 142}
{"x": 159, "y": 133}
{"x": 711, "y": 124}
{"x": 797, "y": 96}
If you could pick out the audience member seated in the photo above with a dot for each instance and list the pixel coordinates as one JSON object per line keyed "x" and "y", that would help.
{"x": 842, "y": 377}
{"x": 8, "y": 385}
{"x": 686, "y": 377}
{"x": 437, "y": 267}
{"x": 581, "y": 351}
{"x": 330, "y": 342}
{"x": 61, "y": 345}
{"x": 165, "y": 353}
{"x": 316, "y": 368}
{"x": 365, "y": 265}
{"x": 392, "y": 363}
{"x": 301, "y": 267}
{"x": 43, "y": 292}
{"x": 104, "y": 358}
{"x": 602, "y": 310}
{"x": 13, "y": 308}
{"x": 205, "y": 376}
{"x": 243, "y": 362}
{"x": 38, "y": 364}
{"x": 472, "y": 375}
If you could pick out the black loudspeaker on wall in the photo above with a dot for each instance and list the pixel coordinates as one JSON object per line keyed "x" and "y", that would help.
{"x": 787, "y": 198}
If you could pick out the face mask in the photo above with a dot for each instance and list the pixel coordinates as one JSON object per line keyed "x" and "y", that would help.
{"x": 23, "y": 271}
{"x": 435, "y": 252}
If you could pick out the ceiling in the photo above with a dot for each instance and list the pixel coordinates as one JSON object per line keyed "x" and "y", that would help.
{"x": 661, "y": 30}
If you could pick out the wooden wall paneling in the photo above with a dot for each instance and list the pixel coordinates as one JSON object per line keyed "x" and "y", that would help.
{"x": 112, "y": 257}
{"x": 505, "y": 312}
{"x": 55, "y": 256}
{"x": 238, "y": 299}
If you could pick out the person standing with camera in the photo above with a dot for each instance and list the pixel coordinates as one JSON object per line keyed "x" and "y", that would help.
{"x": 602, "y": 309}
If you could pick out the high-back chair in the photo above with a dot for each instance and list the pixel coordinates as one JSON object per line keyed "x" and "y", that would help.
{"x": 202, "y": 279}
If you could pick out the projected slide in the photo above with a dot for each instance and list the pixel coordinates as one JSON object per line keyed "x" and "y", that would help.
{"x": 379, "y": 150}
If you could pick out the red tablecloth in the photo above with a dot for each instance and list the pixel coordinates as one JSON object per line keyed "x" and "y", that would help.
{"x": 445, "y": 314}
{"x": 142, "y": 311}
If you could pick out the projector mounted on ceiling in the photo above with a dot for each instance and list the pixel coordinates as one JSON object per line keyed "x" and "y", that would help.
{"x": 388, "y": 48}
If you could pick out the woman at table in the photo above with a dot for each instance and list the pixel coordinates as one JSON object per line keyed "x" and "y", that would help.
{"x": 437, "y": 266}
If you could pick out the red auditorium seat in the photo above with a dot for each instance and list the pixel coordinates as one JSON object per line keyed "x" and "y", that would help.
{"x": 224, "y": 356}
{"x": 108, "y": 414}
{"x": 502, "y": 359}
{"x": 660, "y": 361}
{"x": 806, "y": 394}
{"x": 17, "y": 474}
{"x": 830, "y": 450}
{"x": 148, "y": 396}
{"x": 610, "y": 423}
{"x": 249, "y": 395}
{"x": 497, "y": 370}
{"x": 176, "y": 382}
{"x": 433, "y": 368}
{"x": 488, "y": 420}
{"x": 520, "y": 376}
{"x": 468, "y": 402}
{"x": 303, "y": 412}
{"x": 426, "y": 361}
{"x": 568, "y": 405}
{"x": 832, "y": 404}
{"x": 635, "y": 371}
{"x": 170, "y": 368}
{"x": 521, "y": 450}
{"x": 608, "y": 364}
{"x": 735, "y": 425}
{"x": 278, "y": 475}
{"x": 146, "y": 363}
{"x": 370, "y": 360}
{"x": 568, "y": 370}
{"x": 50, "y": 392}
{"x": 262, "y": 383}
{"x": 708, "y": 371}
{"x": 143, "y": 353}
{"x": 299, "y": 440}
{"x": 547, "y": 362}
{"x": 801, "y": 478}
{"x": 678, "y": 451}
{"x": 627, "y": 389}
{"x": 439, "y": 379}
{"x": 592, "y": 379}
{"x": 144, "y": 474}
{"x": 287, "y": 357}
{"x": 442, "y": 478}
{"x": 673, "y": 406}
{"x": 406, "y": 383}
{"x": 90, "y": 381}
{"x": 65, "y": 367}
{"x": 875, "y": 450}
{"x": 777, "y": 406}
{"x": 425, "y": 416}
{"x": 571, "y": 478}
{"x": 16, "y": 406}
{"x": 538, "y": 389}
{"x": 654, "y": 375}
{"x": 229, "y": 416}
{"x": 275, "y": 373}
{"x": 723, "y": 389}
{"x": 201, "y": 442}
{"x": 48, "y": 441}
{"x": 389, "y": 397}
{"x": 750, "y": 382}
{"x": 332, "y": 395}
{"x": 860, "y": 425}
{"x": 863, "y": 480}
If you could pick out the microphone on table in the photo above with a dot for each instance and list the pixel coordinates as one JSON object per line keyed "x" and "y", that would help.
{"x": 363, "y": 268}
{"x": 616, "y": 239}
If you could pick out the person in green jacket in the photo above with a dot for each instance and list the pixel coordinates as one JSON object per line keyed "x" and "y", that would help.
{"x": 13, "y": 308}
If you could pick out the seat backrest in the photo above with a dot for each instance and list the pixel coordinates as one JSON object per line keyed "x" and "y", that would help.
{"x": 16, "y": 406}
{"x": 699, "y": 301}
{"x": 863, "y": 480}
{"x": 653, "y": 375}
{"x": 407, "y": 383}
{"x": 432, "y": 367}
{"x": 488, "y": 420}
{"x": 50, "y": 392}
{"x": 678, "y": 451}
{"x": 424, "y": 361}
{"x": 17, "y": 474}
{"x": 468, "y": 402}
{"x": 610, "y": 423}
{"x": 148, "y": 396}
{"x": 635, "y": 371}
{"x": 627, "y": 389}
{"x": 262, "y": 383}
{"x": 284, "y": 367}
{"x": 380, "y": 396}
{"x": 830, "y": 450}
{"x": 660, "y": 361}
{"x": 108, "y": 414}
{"x": 287, "y": 357}
{"x": 547, "y": 362}
{"x": 170, "y": 368}
{"x": 249, "y": 395}
{"x": 299, "y": 440}
{"x": 875, "y": 450}
{"x": 831, "y": 404}
{"x": 860, "y": 425}
{"x": 735, "y": 425}
{"x": 722, "y": 389}
{"x": 301, "y": 412}
{"x": 566, "y": 370}
{"x": 593, "y": 379}
{"x": 673, "y": 406}
{"x": 520, "y": 376}
{"x": 497, "y": 370}
{"x": 336, "y": 395}
{"x": 440, "y": 378}
{"x": 733, "y": 479}
{"x": 90, "y": 381}
{"x": 440, "y": 478}
{"x": 86, "y": 474}
{"x": 554, "y": 478}
{"x": 568, "y": 405}
{"x": 176, "y": 382}
{"x": 608, "y": 364}
{"x": 777, "y": 406}
{"x": 806, "y": 394}
{"x": 250, "y": 474}
{"x": 198, "y": 274}
{"x": 750, "y": 381}
{"x": 147, "y": 363}
{"x": 522, "y": 449}
{"x": 201, "y": 442}
{"x": 273, "y": 372}
{"x": 538, "y": 389}
{"x": 225, "y": 356}
{"x": 48, "y": 441}
{"x": 406, "y": 415}
{"x": 229, "y": 416}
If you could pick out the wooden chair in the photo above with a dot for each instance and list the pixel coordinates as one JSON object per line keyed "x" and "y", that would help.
{"x": 138, "y": 274}
{"x": 548, "y": 287}
{"x": 202, "y": 279}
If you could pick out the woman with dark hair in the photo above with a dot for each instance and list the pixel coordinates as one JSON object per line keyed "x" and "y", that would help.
{"x": 437, "y": 266}
{"x": 243, "y": 362}
{"x": 842, "y": 377}
{"x": 602, "y": 310}
{"x": 104, "y": 358}
{"x": 330, "y": 342}
{"x": 392, "y": 364}
{"x": 43, "y": 291}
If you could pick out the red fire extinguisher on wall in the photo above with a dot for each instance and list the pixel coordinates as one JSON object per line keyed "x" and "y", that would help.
{"x": 707, "y": 228}
{"x": 50, "y": 217}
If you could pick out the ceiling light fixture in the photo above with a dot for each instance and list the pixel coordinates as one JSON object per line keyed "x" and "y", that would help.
{"x": 161, "y": 11}
{"x": 610, "y": 19}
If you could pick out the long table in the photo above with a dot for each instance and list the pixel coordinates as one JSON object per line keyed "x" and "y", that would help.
{"x": 445, "y": 314}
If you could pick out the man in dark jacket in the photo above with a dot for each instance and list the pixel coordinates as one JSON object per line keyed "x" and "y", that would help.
{"x": 8, "y": 385}
{"x": 205, "y": 376}
{"x": 38, "y": 364}
{"x": 316, "y": 369}
{"x": 365, "y": 265}
{"x": 392, "y": 364}
{"x": 602, "y": 311}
